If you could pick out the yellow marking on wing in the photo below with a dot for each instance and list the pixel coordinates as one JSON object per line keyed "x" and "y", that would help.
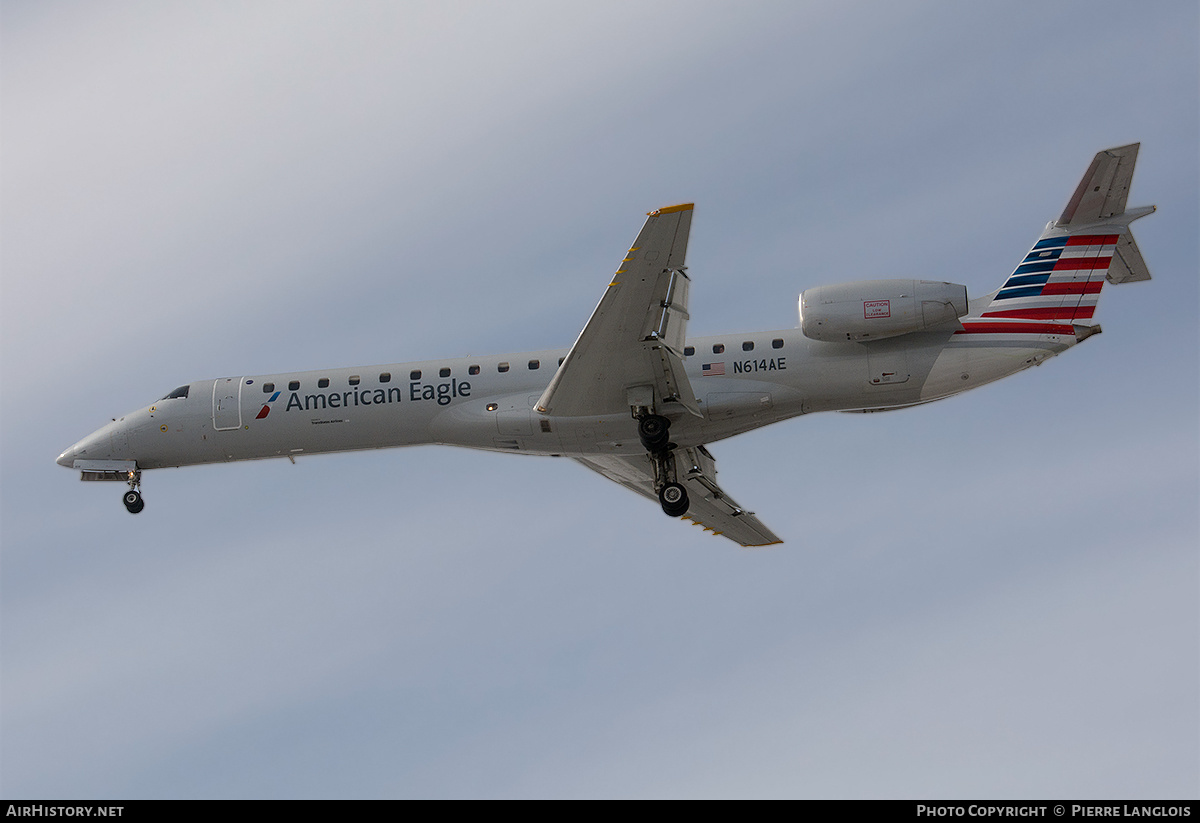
{"x": 671, "y": 209}
{"x": 614, "y": 283}
{"x": 621, "y": 271}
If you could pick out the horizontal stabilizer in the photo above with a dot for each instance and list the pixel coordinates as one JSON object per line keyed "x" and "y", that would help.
{"x": 1104, "y": 189}
{"x": 1127, "y": 263}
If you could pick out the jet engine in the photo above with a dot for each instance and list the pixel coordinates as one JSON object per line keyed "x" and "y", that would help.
{"x": 875, "y": 309}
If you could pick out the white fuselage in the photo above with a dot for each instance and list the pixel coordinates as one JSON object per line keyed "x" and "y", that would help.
{"x": 741, "y": 382}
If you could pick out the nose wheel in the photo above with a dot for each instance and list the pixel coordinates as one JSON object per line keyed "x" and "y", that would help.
{"x": 133, "y": 498}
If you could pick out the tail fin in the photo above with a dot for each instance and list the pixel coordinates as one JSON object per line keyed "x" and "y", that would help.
{"x": 1061, "y": 277}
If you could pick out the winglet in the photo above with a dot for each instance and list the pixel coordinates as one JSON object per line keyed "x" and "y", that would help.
{"x": 671, "y": 209}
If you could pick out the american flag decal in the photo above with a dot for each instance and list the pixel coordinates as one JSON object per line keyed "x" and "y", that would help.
{"x": 712, "y": 369}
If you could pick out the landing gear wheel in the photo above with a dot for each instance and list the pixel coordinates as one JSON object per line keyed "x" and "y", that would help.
{"x": 674, "y": 500}
{"x": 133, "y": 501}
{"x": 654, "y": 431}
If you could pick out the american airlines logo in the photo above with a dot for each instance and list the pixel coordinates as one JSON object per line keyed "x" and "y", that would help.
{"x": 266, "y": 409}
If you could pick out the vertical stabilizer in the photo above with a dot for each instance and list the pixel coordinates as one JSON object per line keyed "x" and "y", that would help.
{"x": 1061, "y": 277}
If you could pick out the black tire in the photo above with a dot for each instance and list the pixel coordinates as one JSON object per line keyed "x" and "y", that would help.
{"x": 141, "y": 504}
{"x": 133, "y": 501}
{"x": 674, "y": 500}
{"x": 654, "y": 431}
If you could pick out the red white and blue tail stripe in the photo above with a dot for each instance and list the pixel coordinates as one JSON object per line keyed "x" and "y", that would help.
{"x": 1059, "y": 281}
{"x": 1055, "y": 289}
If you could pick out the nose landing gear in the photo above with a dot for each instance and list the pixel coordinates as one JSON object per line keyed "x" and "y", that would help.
{"x": 133, "y": 498}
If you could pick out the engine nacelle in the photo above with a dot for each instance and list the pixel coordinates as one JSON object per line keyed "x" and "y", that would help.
{"x": 874, "y": 309}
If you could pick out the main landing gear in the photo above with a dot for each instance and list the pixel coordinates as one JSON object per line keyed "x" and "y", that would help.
{"x": 674, "y": 500}
{"x": 655, "y": 433}
{"x": 133, "y": 498}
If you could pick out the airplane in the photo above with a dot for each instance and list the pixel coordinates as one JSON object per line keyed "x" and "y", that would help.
{"x": 634, "y": 398}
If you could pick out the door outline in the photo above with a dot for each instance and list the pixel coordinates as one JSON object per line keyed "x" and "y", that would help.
{"x": 227, "y": 404}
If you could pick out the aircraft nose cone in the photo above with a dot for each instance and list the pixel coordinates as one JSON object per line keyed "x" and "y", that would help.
{"x": 67, "y": 458}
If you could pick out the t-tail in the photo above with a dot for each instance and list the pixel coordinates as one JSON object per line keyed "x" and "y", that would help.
{"x": 1056, "y": 287}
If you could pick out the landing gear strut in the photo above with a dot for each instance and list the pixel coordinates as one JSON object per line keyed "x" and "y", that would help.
{"x": 133, "y": 498}
{"x": 654, "y": 431}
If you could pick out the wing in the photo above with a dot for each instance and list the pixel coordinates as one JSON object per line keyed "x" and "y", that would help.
{"x": 710, "y": 507}
{"x": 630, "y": 353}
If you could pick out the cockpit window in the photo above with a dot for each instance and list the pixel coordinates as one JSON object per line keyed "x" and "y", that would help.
{"x": 179, "y": 392}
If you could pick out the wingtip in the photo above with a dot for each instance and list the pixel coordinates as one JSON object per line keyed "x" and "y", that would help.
{"x": 671, "y": 209}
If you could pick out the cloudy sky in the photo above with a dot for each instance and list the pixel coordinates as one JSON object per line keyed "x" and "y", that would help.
{"x": 995, "y": 595}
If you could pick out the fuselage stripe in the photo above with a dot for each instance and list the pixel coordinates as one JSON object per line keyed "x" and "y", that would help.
{"x": 1091, "y": 239}
{"x": 1016, "y": 328}
{"x": 1068, "y": 312}
{"x": 1066, "y": 263}
{"x": 1027, "y": 280}
{"x": 1078, "y": 287}
{"x": 1027, "y": 291}
{"x": 1041, "y": 265}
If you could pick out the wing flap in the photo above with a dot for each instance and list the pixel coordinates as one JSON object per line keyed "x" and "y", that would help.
{"x": 710, "y": 507}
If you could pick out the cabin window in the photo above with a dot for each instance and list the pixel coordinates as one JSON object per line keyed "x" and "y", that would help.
{"x": 534, "y": 364}
{"x": 777, "y": 343}
{"x": 354, "y": 380}
{"x": 688, "y": 351}
{"x": 718, "y": 348}
{"x": 268, "y": 388}
{"x": 443, "y": 373}
{"x": 748, "y": 345}
{"x": 182, "y": 391}
{"x": 415, "y": 374}
{"x": 502, "y": 367}
{"x": 323, "y": 383}
{"x": 294, "y": 385}
{"x": 472, "y": 370}
{"x": 385, "y": 377}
